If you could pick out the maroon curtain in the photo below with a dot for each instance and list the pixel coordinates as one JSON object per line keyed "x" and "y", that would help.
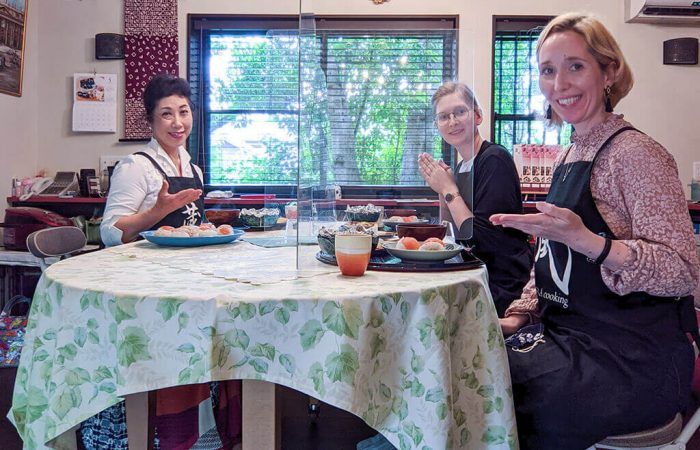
{"x": 150, "y": 47}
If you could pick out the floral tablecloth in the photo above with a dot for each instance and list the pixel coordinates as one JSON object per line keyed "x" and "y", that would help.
{"x": 419, "y": 356}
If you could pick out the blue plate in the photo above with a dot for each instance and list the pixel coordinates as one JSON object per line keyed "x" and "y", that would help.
{"x": 196, "y": 241}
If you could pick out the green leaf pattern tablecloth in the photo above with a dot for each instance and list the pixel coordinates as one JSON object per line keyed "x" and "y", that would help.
{"x": 419, "y": 356}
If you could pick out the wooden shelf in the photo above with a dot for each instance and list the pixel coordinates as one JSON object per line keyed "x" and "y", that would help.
{"x": 86, "y": 202}
{"x": 234, "y": 201}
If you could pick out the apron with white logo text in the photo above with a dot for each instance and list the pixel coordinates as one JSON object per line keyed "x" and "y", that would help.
{"x": 190, "y": 214}
{"x": 609, "y": 364}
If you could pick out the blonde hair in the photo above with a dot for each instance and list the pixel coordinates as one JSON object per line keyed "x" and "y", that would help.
{"x": 601, "y": 44}
{"x": 451, "y": 87}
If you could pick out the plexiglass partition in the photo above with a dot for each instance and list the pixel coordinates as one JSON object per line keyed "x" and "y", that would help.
{"x": 365, "y": 118}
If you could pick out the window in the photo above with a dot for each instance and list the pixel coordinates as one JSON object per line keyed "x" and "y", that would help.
{"x": 360, "y": 115}
{"x": 517, "y": 101}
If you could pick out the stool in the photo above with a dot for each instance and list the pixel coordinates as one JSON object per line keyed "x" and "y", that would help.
{"x": 12, "y": 265}
{"x": 654, "y": 438}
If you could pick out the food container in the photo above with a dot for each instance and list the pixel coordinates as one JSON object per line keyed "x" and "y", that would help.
{"x": 326, "y": 236}
{"x": 290, "y": 211}
{"x": 421, "y": 231}
{"x": 222, "y": 216}
{"x": 405, "y": 212}
{"x": 363, "y": 213}
{"x": 264, "y": 217}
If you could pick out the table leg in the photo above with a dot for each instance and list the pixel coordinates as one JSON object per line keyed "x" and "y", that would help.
{"x": 137, "y": 420}
{"x": 261, "y": 416}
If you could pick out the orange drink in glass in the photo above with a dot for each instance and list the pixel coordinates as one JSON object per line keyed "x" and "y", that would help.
{"x": 352, "y": 252}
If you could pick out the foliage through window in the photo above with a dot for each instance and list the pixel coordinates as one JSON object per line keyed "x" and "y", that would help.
{"x": 518, "y": 104}
{"x": 349, "y": 107}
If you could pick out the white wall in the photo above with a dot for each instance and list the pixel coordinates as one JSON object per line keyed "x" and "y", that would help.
{"x": 36, "y": 127}
{"x": 18, "y": 124}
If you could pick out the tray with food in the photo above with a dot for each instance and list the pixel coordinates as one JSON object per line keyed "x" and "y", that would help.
{"x": 408, "y": 254}
{"x": 192, "y": 235}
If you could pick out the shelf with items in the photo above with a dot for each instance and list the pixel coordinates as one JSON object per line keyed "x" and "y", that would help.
{"x": 93, "y": 206}
{"x": 16, "y": 201}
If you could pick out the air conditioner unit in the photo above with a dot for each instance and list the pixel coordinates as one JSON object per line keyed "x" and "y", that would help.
{"x": 662, "y": 11}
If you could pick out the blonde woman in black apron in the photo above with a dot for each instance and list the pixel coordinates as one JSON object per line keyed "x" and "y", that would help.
{"x": 615, "y": 259}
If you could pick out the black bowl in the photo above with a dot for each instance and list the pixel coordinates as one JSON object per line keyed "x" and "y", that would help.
{"x": 327, "y": 243}
{"x": 267, "y": 220}
{"x": 361, "y": 216}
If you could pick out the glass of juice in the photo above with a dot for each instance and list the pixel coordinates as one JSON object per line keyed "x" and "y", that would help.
{"x": 352, "y": 252}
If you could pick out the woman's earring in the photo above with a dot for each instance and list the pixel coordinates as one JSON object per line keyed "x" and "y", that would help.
{"x": 548, "y": 112}
{"x": 608, "y": 102}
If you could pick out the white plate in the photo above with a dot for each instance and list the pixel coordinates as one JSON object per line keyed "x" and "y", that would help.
{"x": 450, "y": 251}
{"x": 392, "y": 224}
{"x": 195, "y": 241}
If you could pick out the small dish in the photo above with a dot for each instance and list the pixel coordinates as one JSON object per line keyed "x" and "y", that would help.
{"x": 451, "y": 250}
{"x": 402, "y": 212}
{"x": 194, "y": 241}
{"x": 265, "y": 217}
{"x": 361, "y": 216}
{"x": 222, "y": 216}
{"x": 327, "y": 243}
{"x": 421, "y": 231}
{"x": 390, "y": 224}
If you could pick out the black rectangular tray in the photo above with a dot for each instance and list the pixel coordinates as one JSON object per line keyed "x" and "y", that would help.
{"x": 384, "y": 262}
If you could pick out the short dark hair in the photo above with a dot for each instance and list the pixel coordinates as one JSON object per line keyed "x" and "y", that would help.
{"x": 164, "y": 85}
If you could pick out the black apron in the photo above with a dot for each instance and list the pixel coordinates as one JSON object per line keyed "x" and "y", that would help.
{"x": 609, "y": 364}
{"x": 505, "y": 251}
{"x": 190, "y": 214}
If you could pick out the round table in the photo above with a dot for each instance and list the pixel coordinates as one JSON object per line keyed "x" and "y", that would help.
{"x": 418, "y": 356}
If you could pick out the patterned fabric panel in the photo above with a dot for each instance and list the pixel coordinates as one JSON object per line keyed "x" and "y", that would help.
{"x": 150, "y": 47}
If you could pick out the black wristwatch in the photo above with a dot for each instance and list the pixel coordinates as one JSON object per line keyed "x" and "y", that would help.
{"x": 451, "y": 196}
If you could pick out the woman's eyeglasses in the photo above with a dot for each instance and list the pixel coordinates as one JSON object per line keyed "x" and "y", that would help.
{"x": 457, "y": 114}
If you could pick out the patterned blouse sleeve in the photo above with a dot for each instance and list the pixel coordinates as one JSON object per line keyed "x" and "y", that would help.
{"x": 527, "y": 303}
{"x": 640, "y": 182}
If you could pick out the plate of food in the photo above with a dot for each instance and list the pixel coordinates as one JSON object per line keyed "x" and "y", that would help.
{"x": 393, "y": 221}
{"x": 430, "y": 250}
{"x": 192, "y": 236}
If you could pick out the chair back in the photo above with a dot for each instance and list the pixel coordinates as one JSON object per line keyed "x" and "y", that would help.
{"x": 55, "y": 242}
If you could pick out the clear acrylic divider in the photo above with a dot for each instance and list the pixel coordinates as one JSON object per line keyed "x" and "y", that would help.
{"x": 365, "y": 117}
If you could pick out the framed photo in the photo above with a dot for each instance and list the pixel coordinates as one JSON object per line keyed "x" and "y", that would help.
{"x": 13, "y": 31}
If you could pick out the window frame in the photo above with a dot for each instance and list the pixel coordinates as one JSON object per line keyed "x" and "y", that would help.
{"x": 197, "y": 24}
{"x": 510, "y": 23}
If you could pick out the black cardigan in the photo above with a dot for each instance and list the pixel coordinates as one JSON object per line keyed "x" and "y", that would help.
{"x": 506, "y": 252}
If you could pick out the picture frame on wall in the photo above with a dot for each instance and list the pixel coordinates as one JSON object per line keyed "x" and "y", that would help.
{"x": 13, "y": 31}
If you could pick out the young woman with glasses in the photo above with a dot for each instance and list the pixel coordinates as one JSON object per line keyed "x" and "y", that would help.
{"x": 487, "y": 170}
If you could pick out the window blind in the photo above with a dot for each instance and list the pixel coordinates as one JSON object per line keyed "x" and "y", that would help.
{"x": 355, "y": 109}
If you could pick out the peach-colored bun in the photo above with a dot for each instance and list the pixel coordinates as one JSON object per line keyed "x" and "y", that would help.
{"x": 225, "y": 229}
{"x": 166, "y": 228}
{"x": 434, "y": 239}
{"x": 409, "y": 243}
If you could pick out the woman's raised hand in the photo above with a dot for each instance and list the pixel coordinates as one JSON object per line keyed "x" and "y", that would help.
{"x": 168, "y": 202}
{"x": 437, "y": 174}
{"x": 554, "y": 223}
